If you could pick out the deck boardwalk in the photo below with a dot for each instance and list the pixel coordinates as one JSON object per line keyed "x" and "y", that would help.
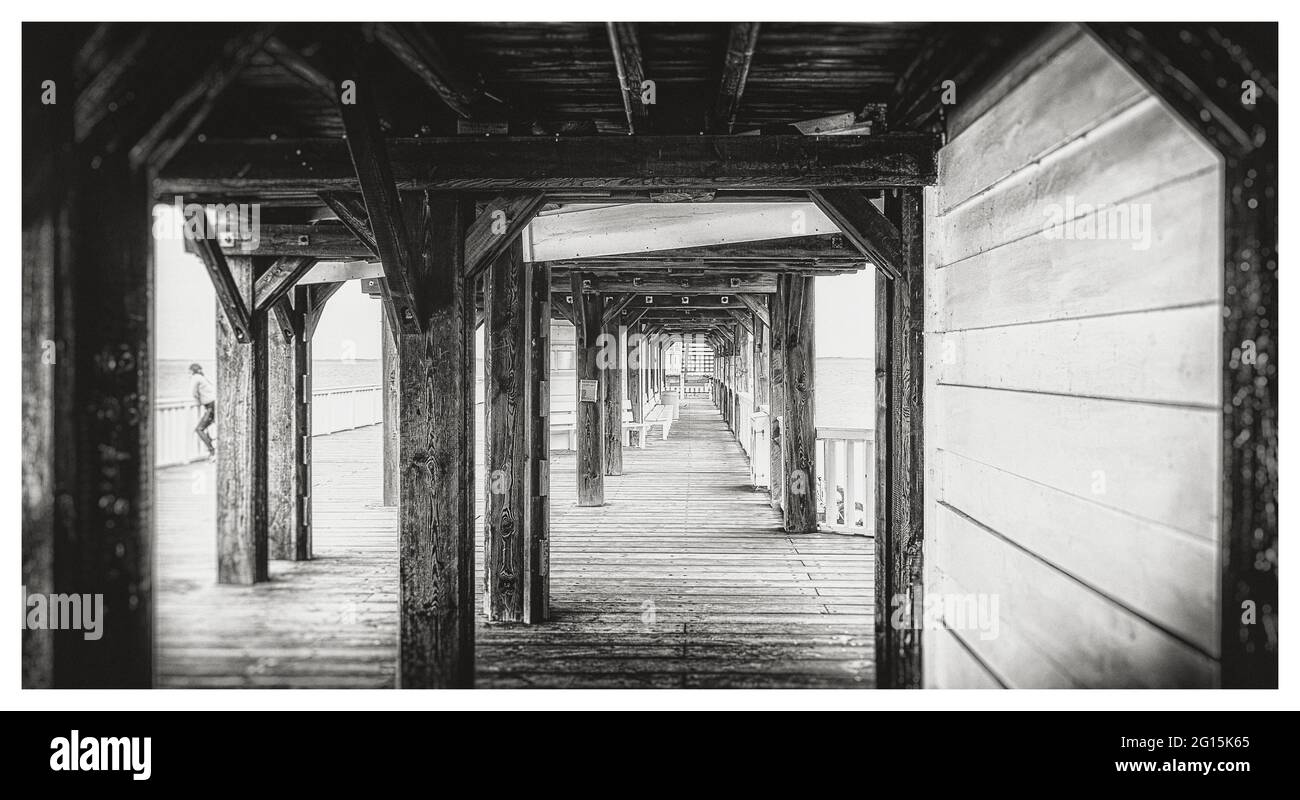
{"x": 683, "y": 579}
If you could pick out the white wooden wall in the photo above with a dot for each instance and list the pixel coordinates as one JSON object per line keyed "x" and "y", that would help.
{"x": 1072, "y": 386}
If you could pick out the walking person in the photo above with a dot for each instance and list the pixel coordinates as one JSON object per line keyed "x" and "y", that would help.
{"x": 205, "y": 394}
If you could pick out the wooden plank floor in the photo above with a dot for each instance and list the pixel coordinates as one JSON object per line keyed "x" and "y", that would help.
{"x": 683, "y": 579}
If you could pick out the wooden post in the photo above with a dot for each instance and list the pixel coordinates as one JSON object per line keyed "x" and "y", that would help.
{"x": 87, "y": 384}
{"x": 391, "y": 378}
{"x": 799, "y": 433}
{"x": 242, "y": 390}
{"x": 587, "y": 311}
{"x": 612, "y": 376}
{"x": 776, "y": 396}
{"x": 511, "y": 418}
{"x": 538, "y": 599}
{"x": 288, "y": 431}
{"x": 635, "y": 386}
{"x": 899, "y": 535}
{"x": 436, "y": 406}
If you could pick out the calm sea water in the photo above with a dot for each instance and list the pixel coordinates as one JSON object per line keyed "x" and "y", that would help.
{"x": 173, "y": 377}
{"x": 844, "y": 385}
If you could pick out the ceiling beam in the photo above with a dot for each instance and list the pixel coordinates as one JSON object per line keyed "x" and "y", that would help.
{"x": 183, "y": 118}
{"x": 225, "y": 168}
{"x": 278, "y": 280}
{"x": 496, "y": 227}
{"x": 732, "y": 283}
{"x": 741, "y": 41}
{"x": 865, "y": 226}
{"x": 373, "y": 173}
{"x": 757, "y": 305}
{"x": 308, "y": 71}
{"x": 626, "y": 49}
{"x": 827, "y": 248}
{"x": 414, "y": 46}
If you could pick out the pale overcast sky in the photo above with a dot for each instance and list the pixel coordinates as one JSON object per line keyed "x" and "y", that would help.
{"x": 186, "y": 308}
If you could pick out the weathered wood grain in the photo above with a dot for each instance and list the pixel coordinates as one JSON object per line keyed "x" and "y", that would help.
{"x": 510, "y": 418}
{"x": 645, "y": 594}
{"x": 587, "y": 311}
{"x": 241, "y": 378}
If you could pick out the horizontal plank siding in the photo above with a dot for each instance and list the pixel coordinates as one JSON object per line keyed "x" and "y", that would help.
{"x": 1073, "y": 384}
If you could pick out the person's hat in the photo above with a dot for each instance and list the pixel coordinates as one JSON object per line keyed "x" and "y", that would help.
{"x": 196, "y": 367}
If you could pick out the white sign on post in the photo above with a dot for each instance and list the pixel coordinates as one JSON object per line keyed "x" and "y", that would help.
{"x": 587, "y": 391}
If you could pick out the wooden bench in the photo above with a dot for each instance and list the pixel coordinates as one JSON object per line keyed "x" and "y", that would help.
{"x": 564, "y": 423}
{"x": 660, "y": 415}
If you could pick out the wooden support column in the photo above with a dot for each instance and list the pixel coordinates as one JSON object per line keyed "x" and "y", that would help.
{"x": 242, "y": 391}
{"x": 436, "y": 410}
{"x": 512, "y": 417}
{"x": 776, "y": 396}
{"x": 587, "y": 312}
{"x": 390, "y": 375}
{"x": 635, "y": 391}
{"x": 288, "y": 430}
{"x": 87, "y": 388}
{"x": 538, "y": 599}
{"x": 900, "y": 454}
{"x": 612, "y": 376}
{"x": 799, "y": 433}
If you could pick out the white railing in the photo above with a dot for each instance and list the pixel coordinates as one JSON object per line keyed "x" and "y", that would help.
{"x": 345, "y": 408}
{"x": 846, "y": 460}
{"x": 332, "y": 410}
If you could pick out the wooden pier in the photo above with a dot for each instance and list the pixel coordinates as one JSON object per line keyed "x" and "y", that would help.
{"x": 683, "y": 579}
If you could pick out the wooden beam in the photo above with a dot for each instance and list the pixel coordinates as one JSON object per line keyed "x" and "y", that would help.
{"x": 242, "y": 390}
{"x": 626, "y": 50}
{"x": 498, "y": 227}
{"x": 390, "y": 375}
{"x": 538, "y": 596}
{"x": 813, "y": 250}
{"x": 899, "y": 538}
{"x": 611, "y": 375}
{"x": 317, "y": 295}
{"x": 742, "y": 39}
{"x": 744, "y": 319}
{"x": 562, "y": 309}
{"x": 758, "y": 306}
{"x": 350, "y": 208}
{"x": 511, "y": 320}
{"x": 799, "y": 430}
{"x": 416, "y": 48}
{"x": 614, "y": 309}
{"x": 374, "y": 176}
{"x": 288, "y": 433}
{"x": 174, "y": 128}
{"x": 325, "y": 241}
{"x": 87, "y": 389}
{"x": 652, "y": 284}
{"x": 436, "y": 530}
{"x": 279, "y": 280}
{"x": 307, "y": 71}
{"x": 556, "y": 163}
{"x": 776, "y": 420}
{"x": 865, "y": 227}
{"x": 590, "y": 457}
{"x": 229, "y": 297}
